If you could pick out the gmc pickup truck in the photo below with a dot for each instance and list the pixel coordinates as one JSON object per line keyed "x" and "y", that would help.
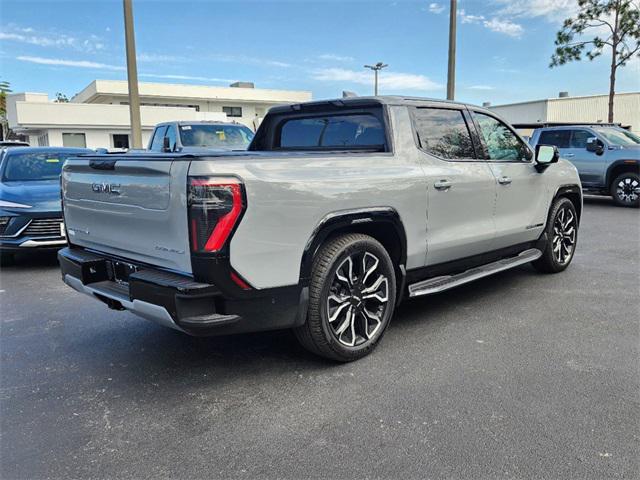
{"x": 337, "y": 212}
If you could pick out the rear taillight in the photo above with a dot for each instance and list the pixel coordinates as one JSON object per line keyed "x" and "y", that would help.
{"x": 215, "y": 205}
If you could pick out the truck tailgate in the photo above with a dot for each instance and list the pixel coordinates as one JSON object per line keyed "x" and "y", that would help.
{"x": 130, "y": 208}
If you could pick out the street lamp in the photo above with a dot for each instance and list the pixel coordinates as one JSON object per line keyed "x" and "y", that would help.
{"x": 376, "y": 68}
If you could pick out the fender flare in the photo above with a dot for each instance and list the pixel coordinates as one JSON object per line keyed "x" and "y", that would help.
{"x": 630, "y": 162}
{"x": 343, "y": 219}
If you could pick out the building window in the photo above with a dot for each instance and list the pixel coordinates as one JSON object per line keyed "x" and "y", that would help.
{"x": 232, "y": 111}
{"x": 74, "y": 140}
{"x": 43, "y": 140}
{"x": 120, "y": 140}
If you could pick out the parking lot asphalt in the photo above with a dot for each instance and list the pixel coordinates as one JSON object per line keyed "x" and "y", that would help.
{"x": 520, "y": 375}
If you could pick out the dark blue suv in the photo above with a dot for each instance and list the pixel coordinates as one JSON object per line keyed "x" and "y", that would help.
{"x": 30, "y": 209}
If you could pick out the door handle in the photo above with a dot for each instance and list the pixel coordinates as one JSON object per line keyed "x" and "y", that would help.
{"x": 504, "y": 180}
{"x": 442, "y": 185}
{"x": 568, "y": 155}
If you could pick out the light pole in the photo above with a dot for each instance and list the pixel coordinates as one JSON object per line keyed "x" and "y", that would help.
{"x": 451, "y": 72}
{"x": 132, "y": 76}
{"x": 376, "y": 68}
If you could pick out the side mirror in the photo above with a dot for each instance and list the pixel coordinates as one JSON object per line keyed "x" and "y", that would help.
{"x": 595, "y": 145}
{"x": 545, "y": 156}
{"x": 166, "y": 144}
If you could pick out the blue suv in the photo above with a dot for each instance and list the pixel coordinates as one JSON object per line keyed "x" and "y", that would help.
{"x": 607, "y": 158}
{"x": 30, "y": 207}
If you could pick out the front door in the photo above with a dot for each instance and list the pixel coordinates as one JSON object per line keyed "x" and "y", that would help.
{"x": 521, "y": 196}
{"x": 460, "y": 186}
{"x": 590, "y": 165}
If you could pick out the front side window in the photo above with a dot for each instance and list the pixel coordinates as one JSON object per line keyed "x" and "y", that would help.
{"x": 502, "y": 144}
{"x": 171, "y": 135}
{"x": 224, "y": 137}
{"x": 559, "y": 138}
{"x": 74, "y": 140}
{"x": 579, "y": 138}
{"x": 158, "y": 138}
{"x": 25, "y": 167}
{"x": 337, "y": 131}
{"x": 443, "y": 133}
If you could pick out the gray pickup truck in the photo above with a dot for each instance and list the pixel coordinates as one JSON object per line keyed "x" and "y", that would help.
{"x": 339, "y": 210}
{"x": 607, "y": 158}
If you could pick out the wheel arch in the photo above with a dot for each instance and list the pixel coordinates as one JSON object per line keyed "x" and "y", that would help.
{"x": 382, "y": 223}
{"x": 619, "y": 167}
{"x": 574, "y": 194}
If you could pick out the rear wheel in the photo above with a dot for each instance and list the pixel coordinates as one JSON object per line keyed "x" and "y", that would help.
{"x": 625, "y": 190}
{"x": 562, "y": 234}
{"x": 351, "y": 298}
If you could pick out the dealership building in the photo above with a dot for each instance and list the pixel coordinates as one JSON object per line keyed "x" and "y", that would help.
{"x": 98, "y": 116}
{"x": 566, "y": 109}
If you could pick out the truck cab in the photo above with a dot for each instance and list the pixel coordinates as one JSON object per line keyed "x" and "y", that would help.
{"x": 606, "y": 156}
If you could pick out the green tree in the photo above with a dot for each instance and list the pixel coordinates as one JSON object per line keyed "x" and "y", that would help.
{"x": 61, "y": 98}
{"x": 599, "y": 26}
{"x": 5, "y": 87}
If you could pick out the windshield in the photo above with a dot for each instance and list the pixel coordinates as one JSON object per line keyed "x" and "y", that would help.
{"x": 226, "y": 137}
{"x": 618, "y": 136}
{"x": 25, "y": 167}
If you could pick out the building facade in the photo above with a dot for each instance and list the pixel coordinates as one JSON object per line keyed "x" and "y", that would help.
{"x": 98, "y": 116}
{"x": 565, "y": 109}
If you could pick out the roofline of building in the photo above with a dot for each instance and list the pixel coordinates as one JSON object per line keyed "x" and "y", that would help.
{"x": 542, "y": 100}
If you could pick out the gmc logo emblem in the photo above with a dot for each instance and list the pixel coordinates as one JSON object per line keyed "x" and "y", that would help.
{"x": 108, "y": 188}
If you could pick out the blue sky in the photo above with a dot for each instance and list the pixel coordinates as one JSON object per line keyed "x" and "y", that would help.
{"x": 503, "y": 46}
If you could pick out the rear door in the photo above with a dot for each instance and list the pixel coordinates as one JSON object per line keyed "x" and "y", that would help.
{"x": 134, "y": 209}
{"x": 521, "y": 196}
{"x": 460, "y": 187}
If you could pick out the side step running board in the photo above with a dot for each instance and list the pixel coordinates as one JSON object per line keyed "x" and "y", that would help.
{"x": 440, "y": 284}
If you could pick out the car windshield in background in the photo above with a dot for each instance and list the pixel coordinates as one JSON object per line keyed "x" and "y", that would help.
{"x": 619, "y": 137}
{"x": 339, "y": 131}
{"x": 24, "y": 167}
{"x": 226, "y": 137}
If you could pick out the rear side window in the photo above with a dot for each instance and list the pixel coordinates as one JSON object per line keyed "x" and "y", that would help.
{"x": 559, "y": 138}
{"x": 443, "y": 133}
{"x": 333, "y": 131}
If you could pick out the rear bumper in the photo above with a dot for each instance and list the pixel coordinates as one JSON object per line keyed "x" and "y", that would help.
{"x": 179, "y": 302}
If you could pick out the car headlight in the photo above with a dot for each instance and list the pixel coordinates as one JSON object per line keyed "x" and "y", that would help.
{"x": 6, "y": 204}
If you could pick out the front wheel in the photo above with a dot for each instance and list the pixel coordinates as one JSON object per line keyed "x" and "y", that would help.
{"x": 351, "y": 298}
{"x": 625, "y": 190}
{"x": 562, "y": 235}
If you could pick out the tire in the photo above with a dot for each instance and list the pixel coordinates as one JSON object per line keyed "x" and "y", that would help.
{"x": 625, "y": 190}
{"x": 360, "y": 300}
{"x": 562, "y": 234}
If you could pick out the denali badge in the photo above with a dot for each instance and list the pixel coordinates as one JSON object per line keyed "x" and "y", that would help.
{"x": 109, "y": 188}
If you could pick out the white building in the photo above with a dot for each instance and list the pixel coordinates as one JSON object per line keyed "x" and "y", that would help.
{"x": 98, "y": 116}
{"x": 565, "y": 109}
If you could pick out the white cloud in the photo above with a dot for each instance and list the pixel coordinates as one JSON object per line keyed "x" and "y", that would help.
{"x": 504, "y": 26}
{"x": 436, "y": 8}
{"x": 60, "y": 40}
{"x": 552, "y": 10}
{"x": 387, "y": 80}
{"x": 154, "y": 57}
{"x": 247, "y": 60}
{"x": 481, "y": 87}
{"x": 186, "y": 77}
{"x": 335, "y": 57}
{"x": 70, "y": 63}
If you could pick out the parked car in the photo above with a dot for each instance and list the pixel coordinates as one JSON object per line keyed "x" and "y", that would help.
{"x": 30, "y": 210}
{"x": 199, "y": 136}
{"x": 13, "y": 143}
{"x": 607, "y": 158}
{"x": 338, "y": 211}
